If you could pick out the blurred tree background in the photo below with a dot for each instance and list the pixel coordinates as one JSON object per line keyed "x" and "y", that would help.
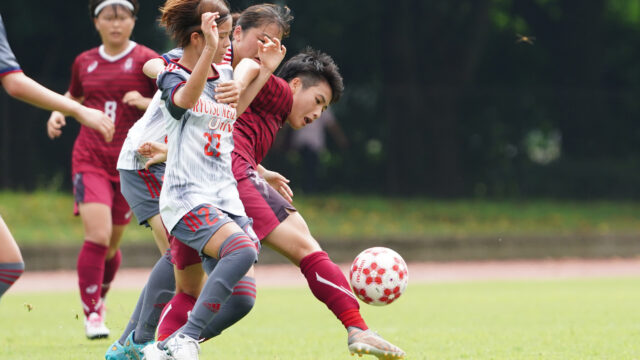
{"x": 444, "y": 98}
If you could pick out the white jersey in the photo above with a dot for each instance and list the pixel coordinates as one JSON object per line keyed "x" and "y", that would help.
{"x": 200, "y": 143}
{"x": 150, "y": 127}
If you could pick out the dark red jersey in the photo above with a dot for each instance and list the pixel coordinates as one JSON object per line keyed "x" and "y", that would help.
{"x": 256, "y": 128}
{"x": 102, "y": 81}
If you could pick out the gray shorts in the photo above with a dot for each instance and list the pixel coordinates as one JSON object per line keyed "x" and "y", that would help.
{"x": 198, "y": 226}
{"x": 141, "y": 189}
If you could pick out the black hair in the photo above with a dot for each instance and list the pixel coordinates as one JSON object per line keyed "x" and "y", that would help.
{"x": 313, "y": 66}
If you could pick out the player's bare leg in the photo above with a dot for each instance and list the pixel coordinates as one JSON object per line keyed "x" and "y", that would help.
{"x": 11, "y": 263}
{"x": 159, "y": 233}
{"x": 293, "y": 239}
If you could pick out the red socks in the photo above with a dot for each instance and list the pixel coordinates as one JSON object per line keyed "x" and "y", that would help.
{"x": 329, "y": 285}
{"x": 175, "y": 314}
{"x": 90, "y": 275}
{"x": 111, "y": 267}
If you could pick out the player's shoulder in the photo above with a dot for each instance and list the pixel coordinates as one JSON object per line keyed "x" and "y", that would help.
{"x": 91, "y": 54}
{"x": 225, "y": 70}
{"x": 278, "y": 86}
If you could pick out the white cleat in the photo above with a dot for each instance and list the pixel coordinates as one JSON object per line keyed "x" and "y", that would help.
{"x": 182, "y": 347}
{"x": 94, "y": 327}
{"x": 151, "y": 352}
{"x": 367, "y": 342}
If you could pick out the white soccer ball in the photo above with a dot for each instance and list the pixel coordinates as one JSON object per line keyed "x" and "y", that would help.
{"x": 378, "y": 276}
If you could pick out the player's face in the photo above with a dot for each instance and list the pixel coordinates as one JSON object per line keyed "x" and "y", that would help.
{"x": 308, "y": 103}
{"x": 224, "y": 30}
{"x": 245, "y": 42}
{"x": 115, "y": 25}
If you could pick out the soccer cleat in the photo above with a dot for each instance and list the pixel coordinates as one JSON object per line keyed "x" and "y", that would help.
{"x": 94, "y": 327}
{"x": 367, "y": 342}
{"x": 182, "y": 347}
{"x": 133, "y": 349}
{"x": 151, "y": 352}
{"x": 115, "y": 352}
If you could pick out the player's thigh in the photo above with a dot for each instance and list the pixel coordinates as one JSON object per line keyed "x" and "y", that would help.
{"x": 190, "y": 279}
{"x": 159, "y": 233}
{"x": 9, "y": 251}
{"x": 292, "y": 239}
{"x": 96, "y": 219}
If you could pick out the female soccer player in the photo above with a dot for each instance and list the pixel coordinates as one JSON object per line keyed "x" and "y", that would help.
{"x": 21, "y": 87}
{"x": 108, "y": 77}
{"x": 199, "y": 201}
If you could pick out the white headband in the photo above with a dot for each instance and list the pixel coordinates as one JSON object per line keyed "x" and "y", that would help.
{"x": 104, "y": 4}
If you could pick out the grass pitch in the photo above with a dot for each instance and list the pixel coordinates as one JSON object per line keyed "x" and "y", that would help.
{"x": 567, "y": 319}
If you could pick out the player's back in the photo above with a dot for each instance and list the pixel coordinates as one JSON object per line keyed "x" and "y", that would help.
{"x": 257, "y": 127}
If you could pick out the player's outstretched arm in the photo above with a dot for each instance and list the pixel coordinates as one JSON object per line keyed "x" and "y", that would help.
{"x": 22, "y": 87}
{"x": 253, "y": 78}
{"x": 229, "y": 92}
{"x": 277, "y": 181}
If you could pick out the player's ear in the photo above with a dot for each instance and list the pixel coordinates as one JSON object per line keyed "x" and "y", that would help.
{"x": 194, "y": 38}
{"x": 237, "y": 32}
{"x": 295, "y": 84}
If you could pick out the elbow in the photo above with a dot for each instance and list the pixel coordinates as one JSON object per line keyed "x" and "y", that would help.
{"x": 13, "y": 85}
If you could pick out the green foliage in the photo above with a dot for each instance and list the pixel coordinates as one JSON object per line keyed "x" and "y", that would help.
{"x": 46, "y": 217}
{"x": 556, "y": 320}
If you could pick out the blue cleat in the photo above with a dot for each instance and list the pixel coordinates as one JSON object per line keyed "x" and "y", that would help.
{"x": 134, "y": 350}
{"x": 115, "y": 352}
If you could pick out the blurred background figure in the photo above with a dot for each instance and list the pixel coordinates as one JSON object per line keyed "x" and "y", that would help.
{"x": 310, "y": 143}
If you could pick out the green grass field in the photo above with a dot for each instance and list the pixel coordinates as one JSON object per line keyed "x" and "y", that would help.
{"x": 44, "y": 217}
{"x": 568, "y": 319}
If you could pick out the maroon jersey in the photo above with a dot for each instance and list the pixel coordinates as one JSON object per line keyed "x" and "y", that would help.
{"x": 256, "y": 128}
{"x": 102, "y": 81}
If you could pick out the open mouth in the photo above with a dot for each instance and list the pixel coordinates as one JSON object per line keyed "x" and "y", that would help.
{"x": 307, "y": 120}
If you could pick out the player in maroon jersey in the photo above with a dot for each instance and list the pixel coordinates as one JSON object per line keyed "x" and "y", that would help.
{"x": 22, "y": 87}
{"x": 107, "y": 78}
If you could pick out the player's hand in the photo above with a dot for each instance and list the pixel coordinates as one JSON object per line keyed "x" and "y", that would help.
{"x": 228, "y": 92}
{"x": 280, "y": 183}
{"x": 210, "y": 29}
{"x": 155, "y": 151}
{"x": 97, "y": 120}
{"x": 271, "y": 52}
{"x": 134, "y": 98}
{"x": 54, "y": 124}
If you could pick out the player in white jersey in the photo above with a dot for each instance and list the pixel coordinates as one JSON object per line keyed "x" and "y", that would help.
{"x": 199, "y": 201}
{"x": 141, "y": 188}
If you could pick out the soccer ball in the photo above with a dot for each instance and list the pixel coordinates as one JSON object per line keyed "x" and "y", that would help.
{"x": 378, "y": 276}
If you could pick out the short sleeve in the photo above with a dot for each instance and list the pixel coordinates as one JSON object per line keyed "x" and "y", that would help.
{"x": 8, "y": 62}
{"x": 168, "y": 83}
{"x": 173, "y": 54}
{"x": 75, "y": 86}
